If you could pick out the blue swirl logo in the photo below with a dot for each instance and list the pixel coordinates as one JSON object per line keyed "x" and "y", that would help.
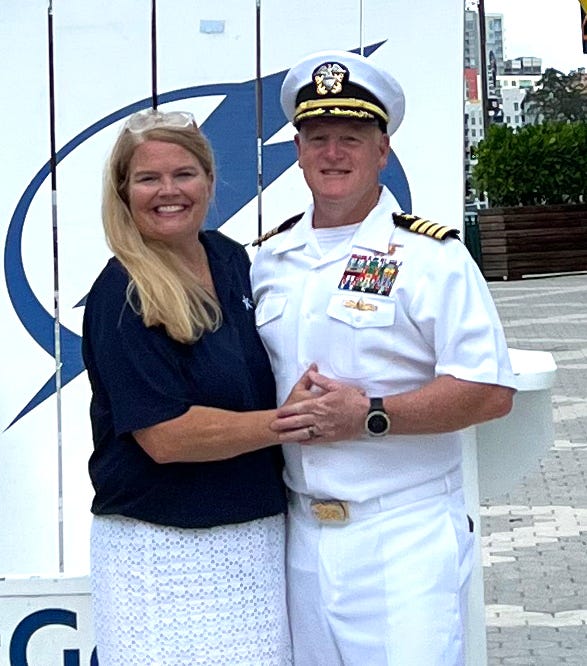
{"x": 231, "y": 129}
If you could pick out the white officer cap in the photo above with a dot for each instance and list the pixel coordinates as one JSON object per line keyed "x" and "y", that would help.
{"x": 340, "y": 84}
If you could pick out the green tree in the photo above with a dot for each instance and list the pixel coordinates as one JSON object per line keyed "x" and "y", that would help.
{"x": 558, "y": 97}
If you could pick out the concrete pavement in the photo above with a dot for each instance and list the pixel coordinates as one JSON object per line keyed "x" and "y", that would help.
{"x": 535, "y": 536}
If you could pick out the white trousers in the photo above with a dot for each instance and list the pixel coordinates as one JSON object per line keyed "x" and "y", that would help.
{"x": 389, "y": 589}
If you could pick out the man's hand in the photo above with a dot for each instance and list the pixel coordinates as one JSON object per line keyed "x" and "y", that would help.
{"x": 444, "y": 404}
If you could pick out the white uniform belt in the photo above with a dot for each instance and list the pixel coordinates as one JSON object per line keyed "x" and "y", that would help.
{"x": 337, "y": 511}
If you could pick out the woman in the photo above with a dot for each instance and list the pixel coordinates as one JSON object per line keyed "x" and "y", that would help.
{"x": 187, "y": 542}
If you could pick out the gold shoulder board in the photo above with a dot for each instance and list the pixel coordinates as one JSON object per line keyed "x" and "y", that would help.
{"x": 421, "y": 226}
{"x": 284, "y": 226}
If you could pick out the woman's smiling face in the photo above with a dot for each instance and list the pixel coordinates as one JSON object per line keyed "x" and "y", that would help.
{"x": 168, "y": 192}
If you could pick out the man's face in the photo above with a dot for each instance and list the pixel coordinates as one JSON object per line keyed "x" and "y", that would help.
{"x": 341, "y": 159}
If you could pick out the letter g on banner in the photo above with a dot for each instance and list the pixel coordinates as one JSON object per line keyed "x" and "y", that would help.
{"x": 35, "y": 621}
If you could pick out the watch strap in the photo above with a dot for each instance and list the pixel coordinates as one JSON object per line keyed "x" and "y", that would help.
{"x": 376, "y": 404}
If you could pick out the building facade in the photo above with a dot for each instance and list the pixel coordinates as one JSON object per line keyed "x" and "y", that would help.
{"x": 507, "y": 83}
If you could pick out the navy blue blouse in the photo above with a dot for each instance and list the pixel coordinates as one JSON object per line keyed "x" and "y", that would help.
{"x": 141, "y": 377}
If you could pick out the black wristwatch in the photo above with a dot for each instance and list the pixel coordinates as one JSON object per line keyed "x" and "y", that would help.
{"x": 377, "y": 422}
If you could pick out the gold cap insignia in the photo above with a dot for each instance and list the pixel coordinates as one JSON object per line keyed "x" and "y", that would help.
{"x": 329, "y": 77}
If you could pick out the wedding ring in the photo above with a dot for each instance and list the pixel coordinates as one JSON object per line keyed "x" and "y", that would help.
{"x": 312, "y": 432}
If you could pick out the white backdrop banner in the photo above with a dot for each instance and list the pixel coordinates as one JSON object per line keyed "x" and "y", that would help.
{"x": 214, "y": 58}
{"x": 207, "y": 63}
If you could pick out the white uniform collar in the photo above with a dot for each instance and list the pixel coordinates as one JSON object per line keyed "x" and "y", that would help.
{"x": 299, "y": 235}
{"x": 376, "y": 229}
{"x": 373, "y": 234}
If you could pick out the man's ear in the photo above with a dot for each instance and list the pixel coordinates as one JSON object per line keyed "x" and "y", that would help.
{"x": 385, "y": 150}
{"x": 297, "y": 142}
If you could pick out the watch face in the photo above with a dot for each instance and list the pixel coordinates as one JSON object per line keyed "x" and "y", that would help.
{"x": 378, "y": 423}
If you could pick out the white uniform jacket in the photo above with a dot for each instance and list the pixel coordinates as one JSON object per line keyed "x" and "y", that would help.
{"x": 438, "y": 319}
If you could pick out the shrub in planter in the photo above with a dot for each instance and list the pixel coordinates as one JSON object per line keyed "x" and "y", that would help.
{"x": 533, "y": 165}
{"x": 536, "y": 180}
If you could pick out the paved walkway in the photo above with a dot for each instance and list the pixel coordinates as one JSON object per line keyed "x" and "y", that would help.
{"x": 536, "y": 593}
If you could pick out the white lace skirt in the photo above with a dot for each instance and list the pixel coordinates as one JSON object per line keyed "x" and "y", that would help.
{"x": 165, "y": 596}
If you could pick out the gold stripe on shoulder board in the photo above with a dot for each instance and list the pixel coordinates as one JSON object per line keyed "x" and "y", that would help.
{"x": 423, "y": 226}
{"x": 284, "y": 226}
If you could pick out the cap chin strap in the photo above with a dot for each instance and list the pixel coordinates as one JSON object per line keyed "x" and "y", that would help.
{"x": 351, "y": 107}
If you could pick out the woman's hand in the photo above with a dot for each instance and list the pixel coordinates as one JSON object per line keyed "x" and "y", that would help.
{"x": 303, "y": 388}
{"x": 325, "y": 410}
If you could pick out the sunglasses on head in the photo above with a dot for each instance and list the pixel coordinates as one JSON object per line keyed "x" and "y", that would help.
{"x": 146, "y": 120}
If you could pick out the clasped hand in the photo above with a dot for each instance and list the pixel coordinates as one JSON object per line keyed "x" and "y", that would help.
{"x": 320, "y": 410}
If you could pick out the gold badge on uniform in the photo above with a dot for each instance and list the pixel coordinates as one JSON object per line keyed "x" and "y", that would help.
{"x": 370, "y": 274}
{"x": 359, "y": 305}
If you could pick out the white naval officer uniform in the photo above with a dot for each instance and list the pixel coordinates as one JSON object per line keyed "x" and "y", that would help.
{"x": 387, "y": 587}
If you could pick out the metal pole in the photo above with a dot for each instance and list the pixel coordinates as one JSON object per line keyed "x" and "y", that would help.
{"x": 259, "y": 121}
{"x": 154, "y": 54}
{"x": 483, "y": 65}
{"x": 57, "y": 331}
{"x": 362, "y": 28}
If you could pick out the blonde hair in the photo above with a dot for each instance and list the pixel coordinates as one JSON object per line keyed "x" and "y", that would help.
{"x": 168, "y": 293}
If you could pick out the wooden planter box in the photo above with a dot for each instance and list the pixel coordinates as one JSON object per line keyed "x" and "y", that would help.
{"x": 532, "y": 240}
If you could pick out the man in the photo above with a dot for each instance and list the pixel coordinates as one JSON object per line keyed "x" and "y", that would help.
{"x": 409, "y": 349}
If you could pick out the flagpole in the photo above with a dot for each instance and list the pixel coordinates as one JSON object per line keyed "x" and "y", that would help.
{"x": 154, "y": 54}
{"x": 259, "y": 119}
{"x": 362, "y": 28}
{"x": 483, "y": 64}
{"x": 57, "y": 326}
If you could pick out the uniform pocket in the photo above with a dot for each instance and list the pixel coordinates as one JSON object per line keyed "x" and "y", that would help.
{"x": 464, "y": 535}
{"x": 269, "y": 320}
{"x": 361, "y": 332}
{"x": 270, "y": 308}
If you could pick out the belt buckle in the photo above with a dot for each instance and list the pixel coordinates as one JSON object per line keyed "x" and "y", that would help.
{"x": 330, "y": 511}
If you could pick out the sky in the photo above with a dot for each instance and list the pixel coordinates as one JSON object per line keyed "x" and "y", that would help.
{"x": 547, "y": 29}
